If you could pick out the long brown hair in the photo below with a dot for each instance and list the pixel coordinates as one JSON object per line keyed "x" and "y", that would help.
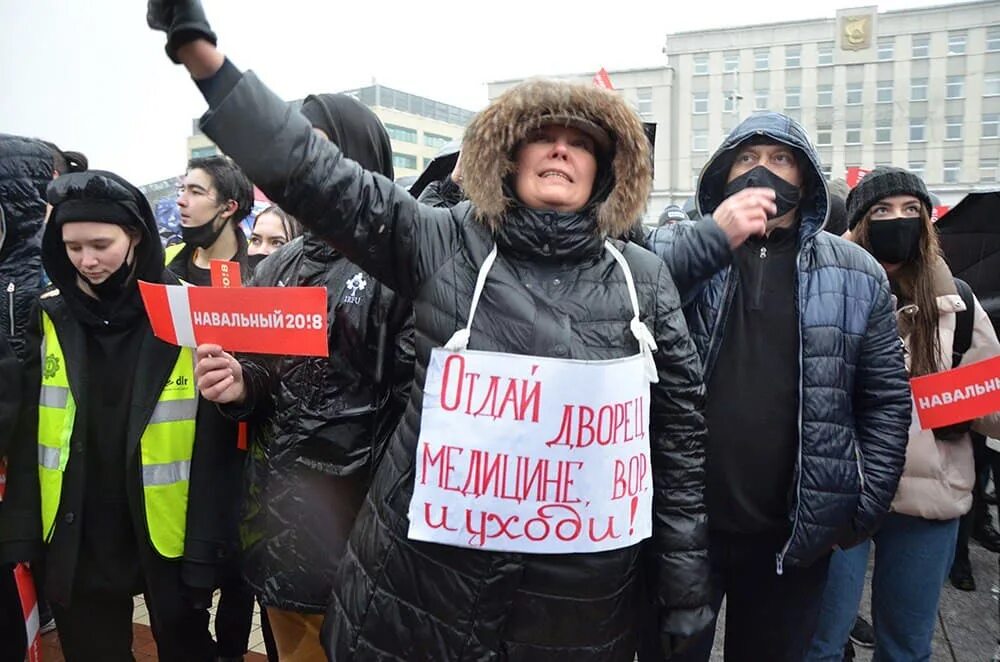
{"x": 914, "y": 282}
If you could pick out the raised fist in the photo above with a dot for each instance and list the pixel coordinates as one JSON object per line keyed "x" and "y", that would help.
{"x": 183, "y": 20}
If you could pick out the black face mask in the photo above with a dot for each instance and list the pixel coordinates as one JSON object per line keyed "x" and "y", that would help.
{"x": 895, "y": 240}
{"x": 786, "y": 195}
{"x": 254, "y": 260}
{"x": 202, "y": 236}
{"x": 112, "y": 287}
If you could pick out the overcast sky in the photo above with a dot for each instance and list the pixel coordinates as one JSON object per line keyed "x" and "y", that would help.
{"x": 90, "y": 76}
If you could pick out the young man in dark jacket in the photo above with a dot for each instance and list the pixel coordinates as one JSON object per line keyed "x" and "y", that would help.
{"x": 26, "y": 168}
{"x": 808, "y": 399}
{"x": 113, "y": 464}
{"x": 214, "y": 198}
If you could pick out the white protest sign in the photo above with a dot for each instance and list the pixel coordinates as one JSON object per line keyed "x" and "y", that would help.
{"x": 533, "y": 454}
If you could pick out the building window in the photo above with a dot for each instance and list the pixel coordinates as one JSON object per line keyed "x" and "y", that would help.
{"x": 644, "y": 97}
{"x": 953, "y": 128}
{"x": 853, "y": 134}
{"x": 700, "y": 105}
{"x": 824, "y": 135}
{"x": 793, "y": 97}
{"x": 921, "y": 46}
{"x": 827, "y": 171}
{"x": 203, "y": 152}
{"x": 953, "y": 87}
{"x": 853, "y": 94}
{"x": 991, "y": 85}
{"x": 883, "y": 130}
{"x": 793, "y": 57}
{"x": 918, "y": 130}
{"x": 729, "y": 102}
{"x": 956, "y": 43}
{"x": 993, "y": 39}
{"x": 699, "y": 141}
{"x": 695, "y": 174}
{"x": 824, "y": 96}
{"x": 730, "y": 61}
{"x": 435, "y": 139}
{"x": 761, "y": 59}
{"x": 951, "y": 169}
{"x": 700, "y": 64}
{"x": 885, "y": 48}
{"x": 883, "y": 91}
{"x": 991, "y": 126}
{"x": 917, "y": 168}
{"x": 760, "y": 99}
{"x": 918, "y": 89}
{"x": 988, "y": 170}
{"x": 404, "y": 161}
{"x": 824, "y": 53}
{"x": 402, "y": 133}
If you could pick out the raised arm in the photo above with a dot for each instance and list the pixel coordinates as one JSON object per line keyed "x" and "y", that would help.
{"x": 376, "y": 224}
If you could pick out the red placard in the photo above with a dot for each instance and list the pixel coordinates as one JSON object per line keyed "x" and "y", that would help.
{"x": 261, "y": 320}
{"x": 855, "y": 175}
{"x": 225, "y": 273}
{"x": 962, "y": 394}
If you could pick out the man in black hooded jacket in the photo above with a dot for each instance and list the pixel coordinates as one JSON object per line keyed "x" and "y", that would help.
{"x": 112, "y": 465}
{"x": 319, "y": 423}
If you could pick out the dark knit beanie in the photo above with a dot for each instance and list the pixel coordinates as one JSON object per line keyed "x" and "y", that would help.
{"x": 96, "y": 196}
{"x": 880, "y": 183}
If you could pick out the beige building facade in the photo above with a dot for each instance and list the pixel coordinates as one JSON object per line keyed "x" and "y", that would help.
{"x": 916, "y": 88}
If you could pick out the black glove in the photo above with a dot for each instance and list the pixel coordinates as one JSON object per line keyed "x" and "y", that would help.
{"x": 196, "y": 597}
{"x": 183, "y": 20}
{"x": 672, "y": 645}
{"x": 693, "y": 623}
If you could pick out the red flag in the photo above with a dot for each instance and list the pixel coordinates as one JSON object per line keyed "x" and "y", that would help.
{"x": 855, "y": 175}
{"x": 601, "y": 79}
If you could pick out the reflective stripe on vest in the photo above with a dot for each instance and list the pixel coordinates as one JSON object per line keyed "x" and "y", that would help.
{"x": 165, "y": 447}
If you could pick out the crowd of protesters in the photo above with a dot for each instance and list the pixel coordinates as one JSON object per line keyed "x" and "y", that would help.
{"x": 771, "y": 332}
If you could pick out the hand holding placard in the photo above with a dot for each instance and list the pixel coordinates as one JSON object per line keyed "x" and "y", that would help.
{"x": 218, "y": 375}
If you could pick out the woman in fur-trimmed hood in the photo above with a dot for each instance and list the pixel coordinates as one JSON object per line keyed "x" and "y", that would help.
{"x": 552, "y": 170}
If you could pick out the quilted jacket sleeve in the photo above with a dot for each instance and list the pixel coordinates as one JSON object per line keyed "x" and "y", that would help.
{"x": 678, "y": 551}
{"x": 694, "y": 251}
{"x": 882, "y": 408}
{"x": 376, "y": 224}
{"x": 20, "y": 514}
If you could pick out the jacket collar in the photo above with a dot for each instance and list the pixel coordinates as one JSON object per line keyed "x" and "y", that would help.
{"x": 549, "y": 235}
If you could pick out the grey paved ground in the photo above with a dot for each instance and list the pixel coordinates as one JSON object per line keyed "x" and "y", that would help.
{"x": 967, "y": 622}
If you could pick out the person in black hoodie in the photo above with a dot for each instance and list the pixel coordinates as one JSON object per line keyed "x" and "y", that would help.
{"x": 319, "y": 423}
{"x": 110, "y": 479}
{"x": 26, "y": 168}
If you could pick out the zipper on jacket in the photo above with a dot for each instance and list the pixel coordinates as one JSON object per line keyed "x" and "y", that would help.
{"x": 757, "y": 296}
{"x": 861, "y": 464}
{"x": 10, "y": 306}
{"x": 780, "y": 556}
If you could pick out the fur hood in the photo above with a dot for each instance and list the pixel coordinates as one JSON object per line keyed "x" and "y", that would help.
{"x": 490, "y": 140}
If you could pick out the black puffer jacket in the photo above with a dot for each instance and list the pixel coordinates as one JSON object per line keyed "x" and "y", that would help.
{"x": 554, "y": 291}
{"x": 319, "y": 423}
{"x": 25, "y": 171}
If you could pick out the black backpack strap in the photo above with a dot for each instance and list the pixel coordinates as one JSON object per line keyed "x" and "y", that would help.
{"x": 963, "y": 322}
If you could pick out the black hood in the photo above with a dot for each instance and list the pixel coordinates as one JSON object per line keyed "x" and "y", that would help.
{"x": 814, "y": 206}
{"x": 98, "y": 187}
{"x": 352, "y": 127}
{"x": 25, "y": 170}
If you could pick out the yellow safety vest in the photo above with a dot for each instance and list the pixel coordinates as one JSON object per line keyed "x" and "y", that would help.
{"x": 166, "y": 445}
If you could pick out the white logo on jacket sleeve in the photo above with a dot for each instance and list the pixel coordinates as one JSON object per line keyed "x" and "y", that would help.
{"x": 355, "y": 284}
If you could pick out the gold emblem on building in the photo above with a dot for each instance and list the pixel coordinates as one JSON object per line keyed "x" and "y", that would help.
{"x": 857, "y": 33}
